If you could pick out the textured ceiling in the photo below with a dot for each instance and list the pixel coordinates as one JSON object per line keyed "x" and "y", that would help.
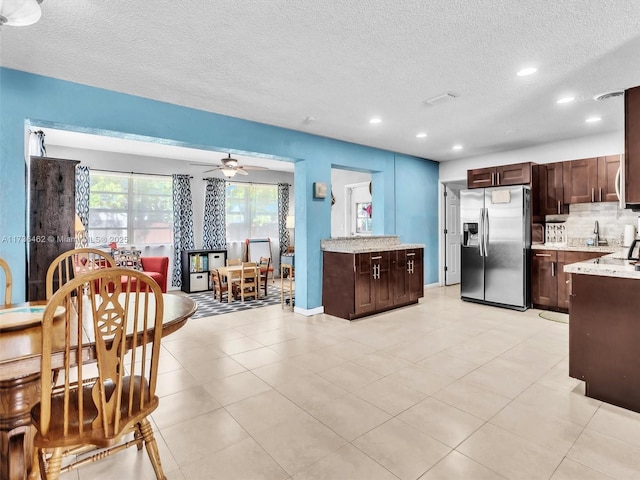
{"x": 345, "y": 61}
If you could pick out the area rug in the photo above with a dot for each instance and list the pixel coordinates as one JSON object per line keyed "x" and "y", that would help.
{"x": 209, "y": 306}
{"x": 554, "y": 316}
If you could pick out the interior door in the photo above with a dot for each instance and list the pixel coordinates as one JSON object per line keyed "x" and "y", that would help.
{"x": 452, "y": 236}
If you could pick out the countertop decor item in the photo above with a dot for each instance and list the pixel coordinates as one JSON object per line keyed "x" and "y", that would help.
{"x": 629, "y": 235}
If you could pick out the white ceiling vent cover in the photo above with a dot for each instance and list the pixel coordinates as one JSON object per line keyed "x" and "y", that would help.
{"x": 607, "y": 95}
{"x": 442, "y": 98}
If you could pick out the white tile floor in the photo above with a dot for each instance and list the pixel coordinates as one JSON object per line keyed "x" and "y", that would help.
{"x": 442, "y": 390}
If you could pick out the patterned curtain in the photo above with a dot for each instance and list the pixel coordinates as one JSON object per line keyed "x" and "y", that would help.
{"x": 37, "y": 147}
{"x": 182, "y": 223}
{"x": 82, "y": 204}
{"x": 215, "y": 225}
{"x": 283, "y": 211}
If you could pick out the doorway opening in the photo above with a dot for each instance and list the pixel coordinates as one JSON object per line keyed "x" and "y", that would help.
{"x": 452, "y": 236}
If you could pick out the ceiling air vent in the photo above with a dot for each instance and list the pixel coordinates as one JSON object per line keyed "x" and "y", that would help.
{"x": 438, "y": 99}
{"x": 608, "y": 95}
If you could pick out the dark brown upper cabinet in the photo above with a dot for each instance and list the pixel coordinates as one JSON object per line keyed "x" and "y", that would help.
{"x": 591, "y": 180}
{"x": 632, "y": 145}
{"x": 515, "y": 174}
{"x": 548, "y": 190}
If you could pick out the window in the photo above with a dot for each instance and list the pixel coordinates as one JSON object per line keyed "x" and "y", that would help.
{"x": 363, "y": 219}
{"x": 130, "y": 209}
{"x": 251, "y": 211}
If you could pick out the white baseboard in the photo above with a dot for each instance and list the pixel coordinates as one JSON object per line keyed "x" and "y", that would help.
{"x": 432, "y": 285}
{"x": 308, "y": 312}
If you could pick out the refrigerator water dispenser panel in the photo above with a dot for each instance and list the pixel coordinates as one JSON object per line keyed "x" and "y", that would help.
{"x": 469, "y": 234}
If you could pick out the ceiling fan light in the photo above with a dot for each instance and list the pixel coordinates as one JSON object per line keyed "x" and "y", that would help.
{"x": 230, "y": 162}
{"x": 19, "y": 13}
{"x": 228, "y": 172}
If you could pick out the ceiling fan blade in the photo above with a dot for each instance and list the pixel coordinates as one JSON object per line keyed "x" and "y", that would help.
{"x": 251, "y": 167}
{"x": 241, "y": 171}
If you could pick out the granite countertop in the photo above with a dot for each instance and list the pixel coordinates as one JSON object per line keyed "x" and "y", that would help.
{"x": 621, "y": 268}
{"x": 366, "y": 244}
{"x": 576, "y": 248}
{"x": 400, "y": 246}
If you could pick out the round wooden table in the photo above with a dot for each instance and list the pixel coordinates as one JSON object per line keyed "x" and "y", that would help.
{"x": 20, "y": 350}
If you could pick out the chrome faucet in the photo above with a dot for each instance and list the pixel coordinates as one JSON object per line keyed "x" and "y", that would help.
{"x": 596, "y": 240}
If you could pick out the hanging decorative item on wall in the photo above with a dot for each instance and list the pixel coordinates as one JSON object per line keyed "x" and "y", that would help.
{"x": 333, "y": 199}
{"x": 319, "y": 190}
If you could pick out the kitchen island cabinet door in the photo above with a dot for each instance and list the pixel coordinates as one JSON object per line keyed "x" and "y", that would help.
{"x": 382, "y": 281}
{"x": 604, "y": 338}
{"x": 415, "y": 265}
{"x": 338, "y": 284}
{"x": 400, "y": 277}
{"x": 365, "y": 286}
{"x": 564, "y": 279}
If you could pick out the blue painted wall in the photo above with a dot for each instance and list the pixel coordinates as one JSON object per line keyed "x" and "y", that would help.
{"x": 405, "y": 186}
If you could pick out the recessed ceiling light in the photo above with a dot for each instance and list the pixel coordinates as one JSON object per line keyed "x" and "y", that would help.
{"x": 375, "y": 120}
{"x": 527, "y": 71}
{"x": 566, "y": 100}
{"x": 593, "y": 119}
{"x": 457, "y": 147}
{"x": 421, "y": 135}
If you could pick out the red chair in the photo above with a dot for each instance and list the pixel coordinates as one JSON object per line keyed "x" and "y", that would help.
{"x": 157, "y": 268}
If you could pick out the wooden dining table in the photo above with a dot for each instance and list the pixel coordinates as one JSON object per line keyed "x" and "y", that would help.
{"x": 233, "y": 274}
{"x": 20, "y": 349}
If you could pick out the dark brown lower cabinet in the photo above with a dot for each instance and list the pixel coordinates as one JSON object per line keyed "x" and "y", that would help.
{"x": 359, "y": 284}
{"x": 550, "y": 286}
{"x": 604, "y": 338}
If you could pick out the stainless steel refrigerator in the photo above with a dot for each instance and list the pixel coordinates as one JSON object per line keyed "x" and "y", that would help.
{"x": 496, "y": 240}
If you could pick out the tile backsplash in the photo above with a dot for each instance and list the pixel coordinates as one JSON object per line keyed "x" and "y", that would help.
{"x": 580, "y": 222}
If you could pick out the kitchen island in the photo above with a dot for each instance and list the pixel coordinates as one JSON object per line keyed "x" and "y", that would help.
{"x": 366, "y": 275}
{"x": 604, "y": 329}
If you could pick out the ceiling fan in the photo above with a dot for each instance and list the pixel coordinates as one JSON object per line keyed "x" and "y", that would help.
{"x": 229, "y": 167}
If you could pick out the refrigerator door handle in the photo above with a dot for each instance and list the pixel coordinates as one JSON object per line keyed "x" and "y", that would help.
{"x": 481, "y": 233}
{"x": 486, "y": 232}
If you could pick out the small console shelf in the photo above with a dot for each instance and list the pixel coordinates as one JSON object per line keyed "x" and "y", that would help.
{"x": 196, "y": 265}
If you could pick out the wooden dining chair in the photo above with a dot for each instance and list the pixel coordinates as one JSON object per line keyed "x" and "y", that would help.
{"x": 70, "y": 264}
{"x": 8, "y": 281}
{"x": 264, "y": 266}
{"x": 220, "y": 287}
{"x": 249, "y": 279}
{"x": 232, "y": 262}
{"x": 85, "y": 411}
